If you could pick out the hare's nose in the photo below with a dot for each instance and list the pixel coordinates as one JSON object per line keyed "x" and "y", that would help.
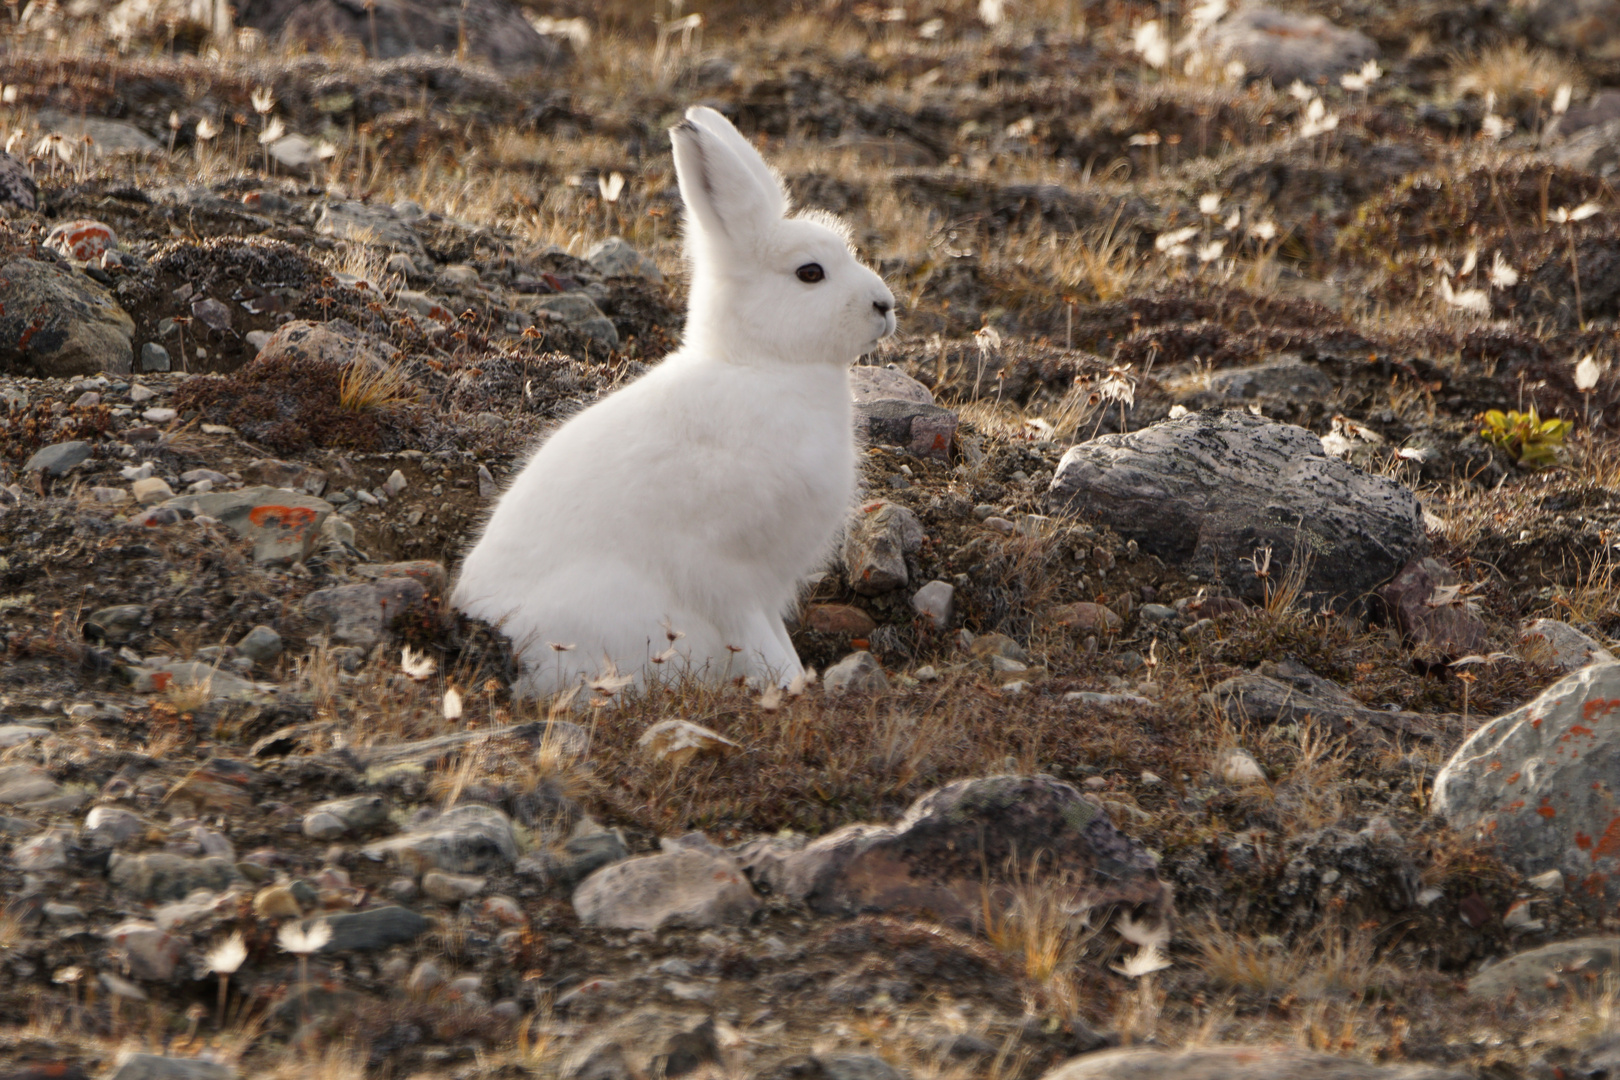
{"x": 882, "y": 307}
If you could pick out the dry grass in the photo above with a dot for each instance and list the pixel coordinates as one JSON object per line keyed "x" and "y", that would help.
{"x": 367, "y": 387}
{"x": 1518, "y": 74}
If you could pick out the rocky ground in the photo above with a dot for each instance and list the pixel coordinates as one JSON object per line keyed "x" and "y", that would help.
{"x": 1214, "y": 679}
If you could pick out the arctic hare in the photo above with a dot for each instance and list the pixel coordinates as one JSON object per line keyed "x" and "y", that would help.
{"x": 673, "y": 521}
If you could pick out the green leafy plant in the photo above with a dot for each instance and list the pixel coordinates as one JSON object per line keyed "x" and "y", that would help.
{"x": 1528, "y": 439}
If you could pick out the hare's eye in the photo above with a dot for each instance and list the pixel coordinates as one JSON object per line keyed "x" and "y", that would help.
{"x": 810, "y": 273}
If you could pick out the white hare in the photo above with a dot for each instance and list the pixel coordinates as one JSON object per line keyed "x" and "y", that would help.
{"x": 674, "y": 519}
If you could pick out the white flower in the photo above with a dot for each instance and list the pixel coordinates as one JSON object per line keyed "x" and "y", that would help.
{"x": 610, "y": 186}
{"x": 1150, "y": 138}
{"x": 1318, "y": 121}
{"x": 1207, "y": 14}
{"x": 325, "y": 151}
{"x": 1470, "y": 261}
{"x": 1235, "y": 71}
{"x": 1264, "y": 230}
{"x": 303, "y": 940}
{"x": 1146, "y": 961}
{"x": 1209, "y": 204}
{"x": 1211, "y": 251}
{"x": 1177, "y": 411}
{"x": 206, "y": 130}
{"x": 1231, "y": 223}
{"x": 1564, "y": 215}
{"x": 1174, "y": 241}
{"x": 1299, "y": 91}
{"x": 1474, "y": 301}
{"x": 227, "y": 956}
{"x": 992, "y": 12}
{"x": 1560, "y": 104}
{"x": 1586, "y": 373}
{"x": 1502, "y": 275}
{"x": 263, "y": 100}
{"x": 1496, "y": 128}
{"x": 9, "y": 95}
{"x": 987, "y": 337}
{"x": 1149, "y": 40}
{"x": 452, "y": 705}
{"x": 418, "y": 665}
{"x": 274, "y": 130}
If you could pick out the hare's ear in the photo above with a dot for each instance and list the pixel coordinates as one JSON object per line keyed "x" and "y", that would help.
{"x": 729, "y": 191}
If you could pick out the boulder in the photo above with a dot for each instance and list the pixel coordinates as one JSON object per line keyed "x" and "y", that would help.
{"x": 469, "y": 839}
{"x": 107, "y": 137}
{"x": 1237, "y": 1063}
{"x": 958, "y": 840}
{"x": 924, "y": 430}
{"x": 283, "y": 525}
{"x": 1542, "y": 784}
{"x": 879, "y": 537}
{"x": 17, "y": 187}
{"x": 1287, "y": 692}
{"x": 369, "y": 223}
{"x": 684, "y": 887}
{"x": 614, "y": 257}
{"x": 1437, "y": 620}
{"x": 493, "y": 31}
{"x": 159, "y": 875}
{"x": 56, "y": 322}
{"x": 1548, "y": 641}
{"x": 360, "y": 615}
{"x": 1560, "y": 972}
{"x": 1213, "y": 492}
{"x": 1283, "y": 46}
{"x": 376, "y": 928}
{"x": 888, "y": 383}
{"x": 58, "y": 459}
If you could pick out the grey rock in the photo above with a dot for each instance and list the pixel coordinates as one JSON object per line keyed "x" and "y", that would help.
{"x": 1284, "y": 380}
{"x": 935, "y": 858}
{"x": 58, "y": 322}
{"x": 579, "y": 311}
{"x": 858, "y": 672}
{"x": 21, "y": 784}
{"x": 153, "y": 1067}
{"x": 924, "y": 430}
{"x": 1237, "y": 1063}
{"x": 868, "y": 384}
{"x": 152, "y": 953}
{"x": 369, "y": 223}
{"x": 1208, "y": 491}
{"x": 935, "y": 602}
{"x": 614, "y": 257}
{"x": 469, "y": 839}
{"x": 106, "y": 136}
{"x": 113, "y": 823}
{"x": 1540, "y": 783}
{"x": 283, "y": 525}
{"x": 452, "y": 888}
{"x": 58, "y": 459}
{"x": 578, "y": 858}
{"x": 1595, "y": 149}
{"x": 38, "y": 854}
{"x": 1562, "y": 971}
{"x": 159, "y": 875}
{"x": 17, "y": 734}
{"x": 648, "y": 1042}
{"x": 154, "y": 357}
{"x": 1287, "y": 692}
{"x": 261, "y": 645}
{"x": 337, "y": 818}
{"x": 492, "y": 33}
{"x": 833, "y": 1067}
{"x": 17, "y": 187}
{"x": 1548, "y": 641}
{"x": 1282, "y": 46}
{"x": 1434, "y": 627}
{"x": 687, "y": 888}
{"x": 360, "y": 615}
{"x": 174, "y": 674}
{"x": 115, "y": 625}
{"x": 376, "y": 928}
{"x": 876, "y": 543}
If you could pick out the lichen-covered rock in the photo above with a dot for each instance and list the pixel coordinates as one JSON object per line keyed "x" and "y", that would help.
{"x": 1217, "y": 492}
{"x": 1562, "y": 971}
{"x": 684, "y": 887}
{"x": 880, "y": 536}
{"x": 57, "y": 322}
{"x": 1283, "y": 46}
{"x": 1542, "y": 784}
{"x": 964, "y": 838}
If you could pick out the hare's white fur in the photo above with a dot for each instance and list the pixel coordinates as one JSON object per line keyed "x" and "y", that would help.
{"x": 675, "y": 518}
